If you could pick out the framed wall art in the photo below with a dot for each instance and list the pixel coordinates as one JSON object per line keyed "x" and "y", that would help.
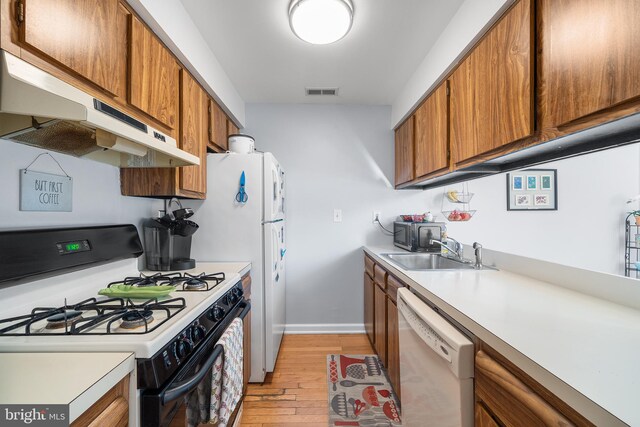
{"x": 532, "y": 190}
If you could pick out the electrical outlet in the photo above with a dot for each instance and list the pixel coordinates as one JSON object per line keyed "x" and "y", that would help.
{"x": 375, "y": 217}
{"x": 337, "y": 215}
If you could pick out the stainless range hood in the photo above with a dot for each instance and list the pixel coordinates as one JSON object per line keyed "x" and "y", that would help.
{"x": 41, "y": 110}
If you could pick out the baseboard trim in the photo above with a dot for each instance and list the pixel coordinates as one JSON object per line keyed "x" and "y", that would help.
{"x": 324, "y": 328}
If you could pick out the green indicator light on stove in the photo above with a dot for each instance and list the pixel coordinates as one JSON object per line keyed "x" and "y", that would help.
{"x": 73, "y": 246}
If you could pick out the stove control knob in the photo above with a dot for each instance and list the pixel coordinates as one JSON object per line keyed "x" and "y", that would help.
{"x": 182, "y": 347}
{"x": 216, "y": 313}
{"x": 198, "y": 332}
{"x": 234, "y": 296}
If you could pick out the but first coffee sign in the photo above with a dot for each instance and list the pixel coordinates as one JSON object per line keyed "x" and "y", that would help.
{"x": 45, "y": 192}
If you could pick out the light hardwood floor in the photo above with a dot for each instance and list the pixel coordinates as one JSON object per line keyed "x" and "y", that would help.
{"x": 296, "y": 392}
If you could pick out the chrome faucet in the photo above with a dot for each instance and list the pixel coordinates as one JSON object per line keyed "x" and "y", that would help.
{"x": 456, "y": 249}
{"x": 478, "y": 249}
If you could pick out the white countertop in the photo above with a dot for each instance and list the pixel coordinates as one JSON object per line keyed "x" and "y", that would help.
{"x": 582, "y": 348}
{"x": 74, "y": 379}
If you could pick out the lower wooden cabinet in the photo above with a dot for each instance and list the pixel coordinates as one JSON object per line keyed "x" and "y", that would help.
{"x": 393, "y": 345}
{"x": 483, "y": 418}
{"x": 369, "y": 308}
{"x": 112, "y": 410}
{"x": 381, "y": 317}
{"x": 507, "y": 396}
{"x": 380, "y": 323}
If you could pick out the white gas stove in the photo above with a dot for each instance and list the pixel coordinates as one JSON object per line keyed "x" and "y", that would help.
{"x": 173, "y": 336}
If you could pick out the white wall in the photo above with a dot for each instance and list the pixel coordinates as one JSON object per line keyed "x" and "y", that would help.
{"x": 466, "y": 26}
{"x": 96, "y": 191}
{"x": 334, "y": 157}
{"x": 342, "y": 157}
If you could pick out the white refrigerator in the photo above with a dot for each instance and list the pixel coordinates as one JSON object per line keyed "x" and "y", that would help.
{"x": 253, "y": 230}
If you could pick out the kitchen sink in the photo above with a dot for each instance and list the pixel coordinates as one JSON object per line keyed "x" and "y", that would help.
{"x": 424, "y": 261}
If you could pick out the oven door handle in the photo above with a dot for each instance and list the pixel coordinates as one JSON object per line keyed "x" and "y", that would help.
{"x": 184, "y": 387}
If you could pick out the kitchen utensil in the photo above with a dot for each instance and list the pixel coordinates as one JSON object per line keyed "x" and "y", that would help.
{"x": 373, "y": 365}
{"x": 242, "y": 196}
{"x": 370, "y": 423}
{"x": 370, "y": 396}
{"x": 391, "y": 411}
{"x": 183, "y": 213}
{"x": 356, "y": 372}
{"x": 128, "y": 291}
{"x": 333, "y": 372}
{"x": 358, "y": 406}
{"x": 241, "y": 144}
{"x": 349, "y": 383}
{"x": 185, "y": 227}
{"x": 339, "y": 405}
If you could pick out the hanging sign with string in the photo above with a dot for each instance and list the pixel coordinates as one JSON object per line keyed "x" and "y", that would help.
{"x": 45, "y": 192}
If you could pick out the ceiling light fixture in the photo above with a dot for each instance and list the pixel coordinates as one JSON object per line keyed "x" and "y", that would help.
{"x": 320, "y": 21}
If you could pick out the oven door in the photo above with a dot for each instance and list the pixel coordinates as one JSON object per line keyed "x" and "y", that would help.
{"x": 184, "y": 400}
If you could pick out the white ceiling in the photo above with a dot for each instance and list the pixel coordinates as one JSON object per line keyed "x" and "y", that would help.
{"x": 267, "y": 63}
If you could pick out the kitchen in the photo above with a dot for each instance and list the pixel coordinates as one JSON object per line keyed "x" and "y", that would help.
{"x": 559, "y": 281}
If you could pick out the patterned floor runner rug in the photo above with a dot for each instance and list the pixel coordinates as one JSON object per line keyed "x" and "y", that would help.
{"x": 360, "y": 393}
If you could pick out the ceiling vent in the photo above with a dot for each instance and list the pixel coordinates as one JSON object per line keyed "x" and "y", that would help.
{"x": 328, "y": 91}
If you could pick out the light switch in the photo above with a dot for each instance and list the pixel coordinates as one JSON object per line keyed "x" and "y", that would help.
{"x": 337, "y": 215}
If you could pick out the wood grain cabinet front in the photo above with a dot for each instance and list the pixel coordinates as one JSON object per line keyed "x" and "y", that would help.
{"x": 369, "y": 309}
{"x": 88, "y": 37}
{"x": 217, "y": 128}
{"x": 380, "y": 323}
{"x": 404, "y": 151}
{"x": 153, "y": 75}
{"x": 187, "y": 181}
{"x": 431, "y": 134}
{"x": 492, "y": 89}
{"x": 393, "y": 345}
{"x": 381, "y": 317}
{"x": 588, "y": 60}
{"x": 507, "y": 396}
{"x": 111, "y": 410}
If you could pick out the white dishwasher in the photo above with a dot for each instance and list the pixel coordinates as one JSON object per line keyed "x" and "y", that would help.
{"x": 436, "y": 367}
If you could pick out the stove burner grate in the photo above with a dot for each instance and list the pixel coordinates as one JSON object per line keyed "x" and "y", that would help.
{"x": 201, "y": 282}
{"x": 144, "y": 280}
{"x": 92, "y": 313}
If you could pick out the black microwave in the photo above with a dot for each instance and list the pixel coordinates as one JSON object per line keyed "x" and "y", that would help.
{"x": 416, "y": 236}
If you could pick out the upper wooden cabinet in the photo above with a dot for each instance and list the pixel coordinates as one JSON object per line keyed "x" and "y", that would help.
{"x": 431, "y": 133}
{"x": 404, "y": 152}
{"x": 88, "y": 37}
{"x": 153, "y": 76}
{"x": 588, "y": 57}
{"x": 193, "y": 133}
{"x": 232, "y": 129}
{"x": 217, "y": 128}
{"x": 186, "y": 181}
{"x": 492, "y": 89}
